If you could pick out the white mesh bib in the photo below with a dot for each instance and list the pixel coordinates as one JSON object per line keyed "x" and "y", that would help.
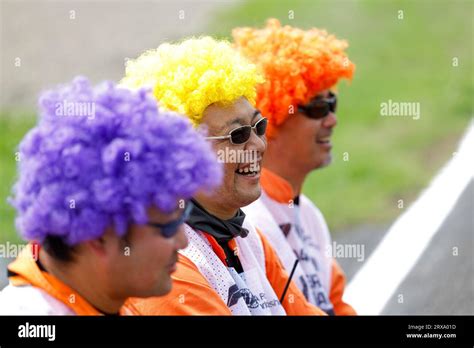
{"x": 308, "y": 238}
{"x": 248, "y": 293}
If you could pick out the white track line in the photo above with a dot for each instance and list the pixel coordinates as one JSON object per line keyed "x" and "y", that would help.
{"x": 389, "y": 264}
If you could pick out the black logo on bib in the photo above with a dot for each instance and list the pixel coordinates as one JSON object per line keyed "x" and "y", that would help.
{"x": 235, "y": 294}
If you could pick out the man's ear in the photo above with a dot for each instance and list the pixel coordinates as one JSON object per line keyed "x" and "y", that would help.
{"x": 96, "y": 246}
{"x": 99, "y": 246}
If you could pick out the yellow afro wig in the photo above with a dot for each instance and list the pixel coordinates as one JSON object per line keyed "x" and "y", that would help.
{"x": 189, "y": 76}
{"x": 297, "y": 65}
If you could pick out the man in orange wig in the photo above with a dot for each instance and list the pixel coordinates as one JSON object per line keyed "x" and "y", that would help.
{"x": 301, "y": 69}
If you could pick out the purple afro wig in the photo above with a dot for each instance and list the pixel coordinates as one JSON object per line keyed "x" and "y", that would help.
{"x": 99, "y": 157}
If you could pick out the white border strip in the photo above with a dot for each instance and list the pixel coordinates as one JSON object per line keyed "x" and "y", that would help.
{"x": 377, "y": 280}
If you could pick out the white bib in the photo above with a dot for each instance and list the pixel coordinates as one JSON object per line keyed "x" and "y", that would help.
{"x": 248, "y": 293}
{"x": 30, "y": 300}
{"x": 307, "y": 238}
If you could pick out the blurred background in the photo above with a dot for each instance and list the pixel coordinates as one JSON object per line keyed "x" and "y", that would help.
{"x": 404, "y": 51}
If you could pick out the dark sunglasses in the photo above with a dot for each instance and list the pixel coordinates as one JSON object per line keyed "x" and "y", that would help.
{"x": 241, "y": 135}
{"x": 319, "y": 107}
{"x": 169, "y": 229}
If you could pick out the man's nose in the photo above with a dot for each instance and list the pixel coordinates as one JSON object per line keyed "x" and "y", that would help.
{"x": 330, "y": 121}
{"x": 257, "y": 143}
{"x": 181, "y": 240}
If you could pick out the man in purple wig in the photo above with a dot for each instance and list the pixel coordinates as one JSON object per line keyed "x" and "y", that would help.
{"x": 104, "y": 180}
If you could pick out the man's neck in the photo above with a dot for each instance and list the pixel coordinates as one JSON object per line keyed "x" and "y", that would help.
{"x": 217, "y": 209}
{"x": 82, "y": 280}
{"x": 288, "y": 173}
{"x": 280, "y": 162}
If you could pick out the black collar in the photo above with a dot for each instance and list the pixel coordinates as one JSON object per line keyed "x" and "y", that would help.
{"x": 222, "y": 230}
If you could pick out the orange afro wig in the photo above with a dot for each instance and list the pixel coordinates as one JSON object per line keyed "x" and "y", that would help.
{"x": 297, "y": 65}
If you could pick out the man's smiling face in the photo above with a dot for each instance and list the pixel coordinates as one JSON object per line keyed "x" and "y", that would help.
{"x": 305, "y": 143}
{"x": 241, "y": 180}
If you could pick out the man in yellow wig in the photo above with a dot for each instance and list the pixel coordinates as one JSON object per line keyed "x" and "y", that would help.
{"x": 301, "y": 68}
{"x": 228, "y": 267}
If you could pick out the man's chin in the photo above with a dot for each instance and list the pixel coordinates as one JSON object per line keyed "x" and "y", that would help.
{"x": 323, "y": 162}
{"x": 250, "y": 195}
{"x": 162, "y": 288}
{"x": 327, "y": 162}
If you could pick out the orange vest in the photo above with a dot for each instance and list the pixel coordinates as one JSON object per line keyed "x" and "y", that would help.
{"x": 192, "y": 294}
{"x": 26, "y": 272}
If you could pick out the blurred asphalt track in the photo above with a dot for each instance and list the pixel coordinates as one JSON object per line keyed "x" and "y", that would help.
{"x": 439, "y": 283}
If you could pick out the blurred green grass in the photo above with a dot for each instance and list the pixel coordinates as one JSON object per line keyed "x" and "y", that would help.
{"x": 403, "y": 60}
{"x": 14, "y": 124}
{"x": 408, "y": 60}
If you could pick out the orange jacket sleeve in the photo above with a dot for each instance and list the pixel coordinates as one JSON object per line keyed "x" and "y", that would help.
{"x": 338, "y": 282}
{"x": 294, "y": 302}
{"x": 191, "y": 295}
